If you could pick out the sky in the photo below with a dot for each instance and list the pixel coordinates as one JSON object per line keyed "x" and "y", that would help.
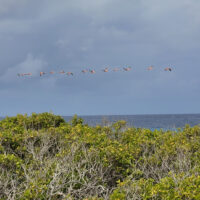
{"x": 71, "y": 35}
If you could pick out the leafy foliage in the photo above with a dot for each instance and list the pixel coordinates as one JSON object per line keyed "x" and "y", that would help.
{"x": 43, "y": 157}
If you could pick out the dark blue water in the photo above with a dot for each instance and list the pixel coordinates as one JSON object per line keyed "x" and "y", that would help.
{"x": 169, "y": 121}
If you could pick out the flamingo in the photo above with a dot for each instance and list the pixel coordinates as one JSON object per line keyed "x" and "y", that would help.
{"x": 61, "y": 72}
{"x": 127, "y": 68}
{"x": 168, "y": 69}
{"x": 51, "y": 72}
{"x": 150, "y": 68}
{"x": 92, "y": 71}
{"x": 25, "y": 74}
{"x": 28, "y": 74}
{"x": 42, "y": 73}
{"x": 84, "y": 71}
{"x": 105, "y": 70}
{"x": 70, "y": 73}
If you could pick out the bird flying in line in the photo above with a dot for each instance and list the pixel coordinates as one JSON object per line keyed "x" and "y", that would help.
{"x": 105, "y": 70}
{"x": 168, "y": 69}
{"x": 62, "y": 72}
{"x": 42, "y": 73}
{"x": 84, "y": 71}
{"x": 150, "y": 68}
{"x": 25, "y": 74}
{"x": 92, "y": 71}
{"x": 127, "y": 68}
{"x": 70, "y": 73}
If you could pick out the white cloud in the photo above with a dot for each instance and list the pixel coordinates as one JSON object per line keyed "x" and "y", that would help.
{"x": 29, "y": 65}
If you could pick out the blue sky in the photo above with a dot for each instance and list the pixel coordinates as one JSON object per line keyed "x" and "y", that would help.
{"x": 71, "y": 35}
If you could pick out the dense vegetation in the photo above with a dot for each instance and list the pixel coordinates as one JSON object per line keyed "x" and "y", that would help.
{"x": 43, "y": 157}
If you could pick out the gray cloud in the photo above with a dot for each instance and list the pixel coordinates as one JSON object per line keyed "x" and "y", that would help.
{"x": 72, "y": 35}
{"x": 30, "y": 64}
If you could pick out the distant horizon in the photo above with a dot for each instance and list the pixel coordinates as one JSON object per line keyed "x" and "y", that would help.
{"x": 151, "y": 121}
{"x": 103, "y": 114}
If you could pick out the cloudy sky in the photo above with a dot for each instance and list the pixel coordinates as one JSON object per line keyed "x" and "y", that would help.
{"x": 71, "y": 35}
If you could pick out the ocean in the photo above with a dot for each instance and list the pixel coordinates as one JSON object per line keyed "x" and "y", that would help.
{"x": 165, "y": 121}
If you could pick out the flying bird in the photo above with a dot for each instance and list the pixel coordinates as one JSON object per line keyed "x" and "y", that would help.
{"x": 51, "y": 72}
{"x": 105, "y": 70}
{"x": 25, "y": 74}
{"x": 84, "y": 71}
{"x": 92, "y": 71}
{"x": 127, "y": 68}
{"x": 150, "y": 68}
{"x": 62, "y": 72}
{"x": 42, "y": 73}
{"x": 70, "y": 73}
{"x": 168, "y": 69}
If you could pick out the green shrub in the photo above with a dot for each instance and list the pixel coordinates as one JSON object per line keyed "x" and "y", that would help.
{"x": 43, "y": 157}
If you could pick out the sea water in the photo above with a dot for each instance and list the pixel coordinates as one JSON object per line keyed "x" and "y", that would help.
{"x": 165, "y": 121}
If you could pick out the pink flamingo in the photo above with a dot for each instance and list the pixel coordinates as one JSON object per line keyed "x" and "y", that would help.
{"x": 27, "y": 74}
{"x": 105, "y": 70}
{"x": 92, "y": 71}
{"x": 84, "y": 71}
{"x": 51, "y": 72}
{"x": 62, "y": 72}
{"x": 150, "y": 68}
{"x": 42, "y": 73}
{"x": 70, "y": 73}
{"x": 127, "y": 68}
{"x": 168, "y": 69}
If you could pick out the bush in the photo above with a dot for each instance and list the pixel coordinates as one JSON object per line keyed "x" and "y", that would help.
{"x": 43, "y": 157}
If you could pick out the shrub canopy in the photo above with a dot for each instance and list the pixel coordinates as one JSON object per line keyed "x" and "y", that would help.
{"x": 43, "y": 157}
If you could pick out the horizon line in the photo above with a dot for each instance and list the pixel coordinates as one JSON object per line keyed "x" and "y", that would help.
{"x": 107, "y": 114}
